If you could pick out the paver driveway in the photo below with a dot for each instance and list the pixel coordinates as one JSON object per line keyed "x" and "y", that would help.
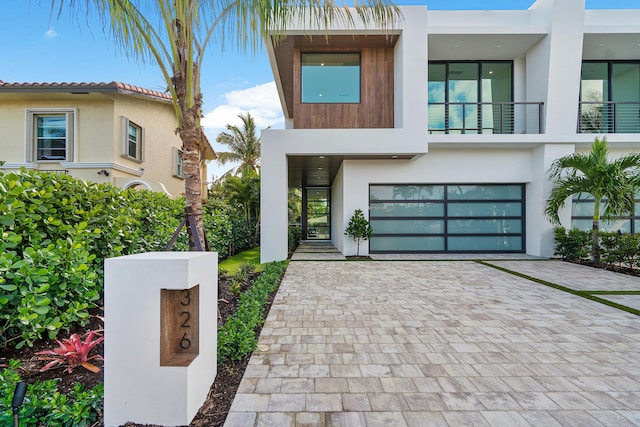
{"x": 438, "y": 343}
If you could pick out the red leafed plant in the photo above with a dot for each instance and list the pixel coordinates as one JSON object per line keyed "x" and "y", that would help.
{"x": 73, "y": 352}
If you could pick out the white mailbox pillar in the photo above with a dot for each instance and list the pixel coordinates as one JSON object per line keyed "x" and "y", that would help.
{"x": 160, "y": 336}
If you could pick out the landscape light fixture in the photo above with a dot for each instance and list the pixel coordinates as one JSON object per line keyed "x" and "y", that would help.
{"x": 18, "y": 398}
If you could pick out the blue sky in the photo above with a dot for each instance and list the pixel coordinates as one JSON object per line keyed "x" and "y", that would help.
{"x": 37, "y": 48}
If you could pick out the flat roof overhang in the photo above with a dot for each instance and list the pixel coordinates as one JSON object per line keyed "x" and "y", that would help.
{"x": 321, "y": 170}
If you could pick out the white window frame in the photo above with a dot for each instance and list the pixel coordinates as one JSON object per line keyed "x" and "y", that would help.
{"x": 177, "y": 163}
{"x": 139, "y": 157}
{"x": 31, "y": 144}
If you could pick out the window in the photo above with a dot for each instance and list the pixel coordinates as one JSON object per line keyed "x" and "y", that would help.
{"x": 330, "y": 78}
{"x": 132, "y": 140}
{"x": 610, "y": 97}
{"x": 471, "y": 97}
{"x": 50, "y": 135}
{"x": 178, "y": 171}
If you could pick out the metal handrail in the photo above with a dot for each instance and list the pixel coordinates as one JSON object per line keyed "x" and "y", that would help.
{"x": 473, "y": 117}
{"x": 609, "y": 117}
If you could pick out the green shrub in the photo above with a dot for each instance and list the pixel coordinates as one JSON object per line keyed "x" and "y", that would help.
{"x": 620, "y": 249}
{"x": 572, "y": 244}
{"x": 45, "y": 405}
{"x": 237, "y": 337}
{"x": 56, "y": 231}
{"x": 295, "y": 237}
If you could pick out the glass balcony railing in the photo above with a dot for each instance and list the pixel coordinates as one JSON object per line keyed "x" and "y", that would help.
{"x": 609, "y": 117}
{"x": 485, "y": 117}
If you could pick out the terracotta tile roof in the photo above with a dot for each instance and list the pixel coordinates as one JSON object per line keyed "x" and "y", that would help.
{"x": 74, "y": 87}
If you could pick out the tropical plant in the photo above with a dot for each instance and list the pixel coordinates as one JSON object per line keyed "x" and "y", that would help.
{"x": 178, "y": 43}
{"x": 244, "y": 147}
{"x": 243, "y": 192}
{"x": 611, "y": 183}
{"x": 73, "y": 352}
{"x": 358, "y": 229}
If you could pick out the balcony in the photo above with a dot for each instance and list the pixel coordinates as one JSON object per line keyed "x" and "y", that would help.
{"x": 485, "y": 117}
{"x": 609, "y": 117}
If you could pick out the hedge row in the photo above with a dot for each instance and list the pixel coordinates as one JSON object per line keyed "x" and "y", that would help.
{"x": 621, "y": 249}
{"x": 237, "y": 337}
{"x": 56, "y": 232}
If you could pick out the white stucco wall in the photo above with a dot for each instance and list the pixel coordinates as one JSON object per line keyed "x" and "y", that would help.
{"x": 439, "y": 166}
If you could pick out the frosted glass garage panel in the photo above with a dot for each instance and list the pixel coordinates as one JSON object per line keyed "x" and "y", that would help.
{"x": 623, "y": 225}
{"x": 493, "y": 209}
{"x": 584, "y": 208}
{"x": 406, "y": 244}
{"x": 406, "y": 192}
{"x": 484, "y": 243}
{"x": 484, "y": 226}
{"x": 406, "y": 209}
{"x": 407, "y": 226}
{"x": 484, "y": 192}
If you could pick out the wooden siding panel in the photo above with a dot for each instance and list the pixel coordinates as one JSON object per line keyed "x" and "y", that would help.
{"x": 375, "y": 109}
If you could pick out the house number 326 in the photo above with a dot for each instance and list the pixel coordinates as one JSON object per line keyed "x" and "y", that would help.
{"x": 179, "y": 326}
{"x": 185, "y": 317}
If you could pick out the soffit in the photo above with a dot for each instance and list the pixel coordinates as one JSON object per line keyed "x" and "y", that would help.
{"x": 470, "y": 47}
{"x": 320, "y": 171}
{"x": 611, "y": 46}
{"x": 284, "y": 51}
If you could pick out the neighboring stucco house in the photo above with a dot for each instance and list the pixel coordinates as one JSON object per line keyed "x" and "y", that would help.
{"x": 100, "y": 132}
{"x": 443, "y": 128}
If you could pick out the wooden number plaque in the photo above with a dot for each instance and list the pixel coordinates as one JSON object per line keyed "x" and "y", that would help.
{"x": 179, "y": 326}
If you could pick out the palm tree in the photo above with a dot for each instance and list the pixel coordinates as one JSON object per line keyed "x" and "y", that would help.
{"x": 243, "y": 192}
{"x": 178, "y": 41}
{"x": 612, "y": 183}
{"x": 244, "y": 146}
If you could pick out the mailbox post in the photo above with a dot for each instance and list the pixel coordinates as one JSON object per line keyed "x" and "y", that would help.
{"x": 160, "y": 336}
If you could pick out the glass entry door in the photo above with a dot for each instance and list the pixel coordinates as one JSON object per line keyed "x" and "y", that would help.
{"x": 317, "y": 224}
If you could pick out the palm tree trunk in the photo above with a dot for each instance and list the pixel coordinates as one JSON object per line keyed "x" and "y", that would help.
{"x": 595, "y": 229}
{"x": 191, "y": 136}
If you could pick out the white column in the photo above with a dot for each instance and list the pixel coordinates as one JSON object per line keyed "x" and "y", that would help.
{"x": 273, "y": 200}
{"x": 539, "y": 231}
{"x": 137, "y": 387}
{"x": 565, "y": 64}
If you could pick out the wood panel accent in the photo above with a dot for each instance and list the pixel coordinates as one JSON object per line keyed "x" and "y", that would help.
{"x": 375, "y": 109}
{"x": 284, "y": 53}
{"x": 179, "y": 326}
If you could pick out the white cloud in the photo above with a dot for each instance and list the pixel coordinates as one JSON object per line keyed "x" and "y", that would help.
{"x": 51, "y": 33}
{"x": 261, "y": 101}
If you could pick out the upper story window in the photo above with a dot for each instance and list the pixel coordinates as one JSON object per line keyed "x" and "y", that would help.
{"x": 610, "y": 97}
{"x": 471, "y": 97}
{"x": 50, "y": 135}
{"x": 132, "y": 140}
{"x": 178, "y": 170}
{"x": 330, "y": 78}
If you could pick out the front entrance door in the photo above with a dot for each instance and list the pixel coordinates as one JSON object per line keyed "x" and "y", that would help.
{"x": 317, "y": 216}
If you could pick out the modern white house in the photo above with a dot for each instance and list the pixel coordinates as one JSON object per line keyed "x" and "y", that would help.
{"x": 442, "y": 129}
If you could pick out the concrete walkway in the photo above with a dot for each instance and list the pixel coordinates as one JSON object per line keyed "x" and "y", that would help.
{"x": 443, "y": 343}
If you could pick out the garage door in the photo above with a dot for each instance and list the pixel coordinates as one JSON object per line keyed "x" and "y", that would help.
{"x": 447, "y": 218}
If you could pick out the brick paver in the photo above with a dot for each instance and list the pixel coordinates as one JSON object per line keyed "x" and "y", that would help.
{"x": 442, "y": 343}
